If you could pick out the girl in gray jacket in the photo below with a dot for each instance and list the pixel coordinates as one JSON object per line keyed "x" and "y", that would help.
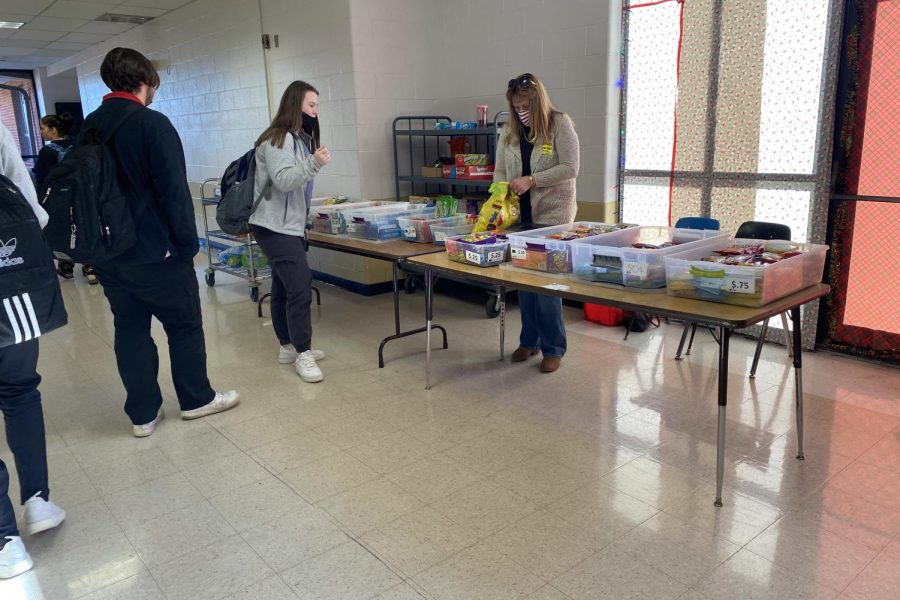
{"x": 288, "y": 157}
{"x": 538, "y": 155}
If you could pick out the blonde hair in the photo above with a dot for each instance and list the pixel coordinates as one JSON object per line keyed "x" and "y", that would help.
{"x": 542, "y": 113}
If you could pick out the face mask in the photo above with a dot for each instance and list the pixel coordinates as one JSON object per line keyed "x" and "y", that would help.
{"x": 309, "y": 123}
{"x": 524, "y": 117}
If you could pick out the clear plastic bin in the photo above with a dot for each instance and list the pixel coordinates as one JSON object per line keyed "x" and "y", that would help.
{"x": 536, "y": 251}
{"x": 418, "y": 229}
{"x": 611, "y": 257}
{"x": 442, "y": 232}
{"x": 482, "y": 255}
{"x": 689, "y": 277}
{"x": 332, "y": 219}
{"x": 380, "y": 222}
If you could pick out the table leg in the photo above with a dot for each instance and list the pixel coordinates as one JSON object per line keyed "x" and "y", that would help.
{"x": 395, "y": 272}
{"x": 502, "y": 323}
{"x": 798, "y": 380}
{"x": 725, "y": 337}
{"x": 429, "y": 299}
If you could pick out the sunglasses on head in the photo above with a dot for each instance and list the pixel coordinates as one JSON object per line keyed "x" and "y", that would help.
{"x": 522, "y": 82}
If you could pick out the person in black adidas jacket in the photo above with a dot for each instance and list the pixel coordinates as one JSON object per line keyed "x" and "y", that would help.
{"x": 20, "y": 401}
{"x": 155, "y": 278}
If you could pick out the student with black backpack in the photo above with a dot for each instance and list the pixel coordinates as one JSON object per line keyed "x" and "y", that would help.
{"x": 56, "y": 130}
{"x": 144, "y": 231}
{"x": 30, "y": 305}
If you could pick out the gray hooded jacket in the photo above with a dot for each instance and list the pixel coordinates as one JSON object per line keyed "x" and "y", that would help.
{"x": 291, "y": 170}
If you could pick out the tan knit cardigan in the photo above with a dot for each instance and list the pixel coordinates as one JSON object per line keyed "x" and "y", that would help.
{"x": 554, "y": 167}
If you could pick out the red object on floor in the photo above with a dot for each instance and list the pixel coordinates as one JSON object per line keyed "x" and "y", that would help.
{"x": 602, "y": 315}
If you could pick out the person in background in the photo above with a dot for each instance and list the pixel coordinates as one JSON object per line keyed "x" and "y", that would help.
{"x": 56, "y": 131}
{"x": 20, "y": 402}
{"x": 156, "y": 277}
{"x": 538, "y": 155}
{"x": 288, "y": 157}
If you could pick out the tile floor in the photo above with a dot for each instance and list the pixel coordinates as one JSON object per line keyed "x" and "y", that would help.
{"x": 500, "y": 482}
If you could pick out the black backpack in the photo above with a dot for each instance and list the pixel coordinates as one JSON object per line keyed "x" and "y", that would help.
{"x": 236, "y": 190}
{"x": 32, "y": 304}
{"x": 91, "y": 218}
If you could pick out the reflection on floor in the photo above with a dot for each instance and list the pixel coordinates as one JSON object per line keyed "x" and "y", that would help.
{"x": 593, "y": 482}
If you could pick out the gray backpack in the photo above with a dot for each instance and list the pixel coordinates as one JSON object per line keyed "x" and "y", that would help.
{"x": 238, "y": 204}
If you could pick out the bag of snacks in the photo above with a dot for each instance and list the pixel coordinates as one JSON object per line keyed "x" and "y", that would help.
{"x": 500, "y": 211}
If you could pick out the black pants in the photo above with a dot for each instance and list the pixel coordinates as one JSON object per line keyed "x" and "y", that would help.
{"x": 168, "y": 291}
{"x": 291, "y": 287}
{"x": 20, "y": 402}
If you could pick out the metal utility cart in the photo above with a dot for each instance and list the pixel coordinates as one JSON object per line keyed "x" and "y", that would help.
{"x": 252, "y": 274}
{"x": 416, "y": 143}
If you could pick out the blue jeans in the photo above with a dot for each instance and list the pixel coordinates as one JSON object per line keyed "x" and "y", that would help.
{"x": 20, "y": 402}
{"x": 542, "y": 324}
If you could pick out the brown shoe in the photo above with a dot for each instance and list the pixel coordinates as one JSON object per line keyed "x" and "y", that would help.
{"x": 522, "y": 354}
{"x": 550, "y": 363}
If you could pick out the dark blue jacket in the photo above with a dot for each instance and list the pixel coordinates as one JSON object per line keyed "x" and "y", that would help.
{"x": 153, "y": 173}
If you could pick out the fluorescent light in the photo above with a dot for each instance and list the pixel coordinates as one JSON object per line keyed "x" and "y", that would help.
{"x": 10, "y": 25}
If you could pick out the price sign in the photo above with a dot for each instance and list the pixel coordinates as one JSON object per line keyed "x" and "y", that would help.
{"x": 440, "y": 237}
{"x": 496, "y": 256}
{"x": 519, "y": 253}
{"x": 335, "y": 224}
{"x": 473, "y": 257}
{"x": 636, "y": 269}
{"x": 409, "y": 232}
{"x": 351, "y": 227}
{"x": 739, "y": 285}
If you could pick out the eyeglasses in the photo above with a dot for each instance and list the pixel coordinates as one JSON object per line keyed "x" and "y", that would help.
{"x": 522, "y": 82}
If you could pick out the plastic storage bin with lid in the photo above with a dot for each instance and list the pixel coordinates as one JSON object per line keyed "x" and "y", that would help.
{"x": 549, "y": 249}
{"x": 333, "y": 218}
{"x": 634, "y": 257}
{"x": 421, "y": 229}
{"x": 464, "y": 225}
{"x": 481, "y": 249}
{"x": 379, "y": 223}
{"x": 774, "y": 269}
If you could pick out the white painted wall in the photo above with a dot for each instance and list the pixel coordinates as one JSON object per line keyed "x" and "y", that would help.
{"x": 59, "y": 88}
{"x": 371, "y": 60}
{"x": 314, "y": 45}
{"x": 213, "y": 84}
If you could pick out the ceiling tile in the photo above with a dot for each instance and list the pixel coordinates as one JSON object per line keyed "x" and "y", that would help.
{"x": 165, "y": 4}
{"x": 5, "y": 44}
{"x": 52, "y": 52}
{"x": 105, "y": 27}
{"x": 139, "y": 11}
{"x": 68, "y": 46}
{"x": 36, "y": 34}
{"x": 25, "y": 7}
{"x": 90, "y": 38}
{"x": 16, "y": 50}
{"x": 55, "y": 24}
{"x": 78, "y": 10}
{"x": 15, "y": 18}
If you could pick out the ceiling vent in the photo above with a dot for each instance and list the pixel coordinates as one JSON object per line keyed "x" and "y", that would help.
{"x": 116, "y": 18}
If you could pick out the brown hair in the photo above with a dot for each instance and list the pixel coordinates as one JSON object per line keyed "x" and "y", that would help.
{"x": 289, "y": 116}
{"x": 542, "y": 112}
{"x": 125, "y": 70}
{"x": 61, "y": 123}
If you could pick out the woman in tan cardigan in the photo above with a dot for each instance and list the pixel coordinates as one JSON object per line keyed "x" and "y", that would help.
{"x": 538, "y": 154}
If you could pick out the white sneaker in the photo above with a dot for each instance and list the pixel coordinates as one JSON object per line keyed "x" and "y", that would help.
{"x": 142, "y": 431}
{"x": 288, "y": 355}
{"x": 222, "y": 402}
{"x": 14, "y": 559}
{"x": 41, "y": 515}
{"x": 307, "y": 368}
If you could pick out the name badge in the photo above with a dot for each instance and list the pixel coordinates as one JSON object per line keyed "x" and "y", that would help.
{"x": 547, "y": 149}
